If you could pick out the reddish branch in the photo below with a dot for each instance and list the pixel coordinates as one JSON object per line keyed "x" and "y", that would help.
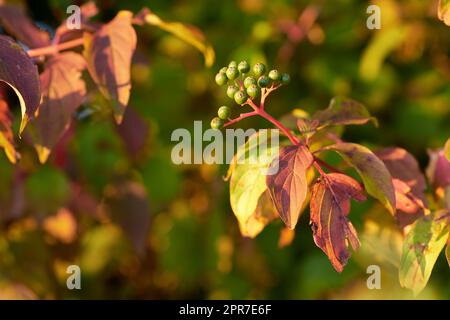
{"x": 55, "y": 48}
{"x": 259, "y": 110}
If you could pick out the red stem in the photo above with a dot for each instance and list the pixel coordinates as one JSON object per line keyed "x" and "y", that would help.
{"x": 242, "y": 116}
{"x": 55, "y": 48}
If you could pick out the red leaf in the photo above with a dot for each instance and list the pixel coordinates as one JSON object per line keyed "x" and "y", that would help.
{"x": 20, "y": 73}
{"x": 409, "y": 184}
{"x": 288, "y": 187}
{"x": 438, "y": 171}
{"x": 330, "y": 204}
{"x": 16, "y": 23}
{"x": 63, "y": 91}
{"x": 108, "y": 53}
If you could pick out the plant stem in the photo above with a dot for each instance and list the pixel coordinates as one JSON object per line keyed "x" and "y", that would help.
{"x": 242, "y": 116}
{"x": 326, "y": 165}
{"x": 279, "y": 125}
{"x": 55, "y": 48}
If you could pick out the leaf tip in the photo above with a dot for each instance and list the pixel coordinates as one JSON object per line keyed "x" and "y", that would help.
{"x": 43, "y": 153}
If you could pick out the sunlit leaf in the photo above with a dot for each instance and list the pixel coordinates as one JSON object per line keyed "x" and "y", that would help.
{"x": 6, "y": 134}
{"x": 21, "y": 74}
{"x": 61, "y": 226}
{"x": 447, "y": 150}
{"x": 289, "y": 187}
{"x": 63, "y": 92}
{"x": 343, "y": 111}
{"x": 421, "y": 248}
{"x": 444, "y": 11}
{"x": 380, "y": 46}
{"x": 190, "y": 34}
{"x": 376, "y": 177}
{"x": 16, "y": 23}
{"x": 330, "y": 205}
{"x": 409, "y": 184}
{"x": 108, "y": 53}
{"x": 248, "y": 181}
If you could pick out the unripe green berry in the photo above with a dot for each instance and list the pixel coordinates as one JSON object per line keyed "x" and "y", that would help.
{"x": 224, "y": 70}
{"x": 253, "y": 91}
{"x": 231, "y": 90}
{"x": 240, "y": 97}
{"x": 274, "y": 75}
{"x": 259, "y": 69}
{"x": 243, "y": 67}
{"x": 232, "y": 73}
{"x": 221, "y": 78}
{"x": 216, "y": 123}
{"x": 263, "y": 81}
{"x": 249, "y": 81}
{"x": 285, "y": 78}
{"x": 232, "y": 64}
{"x": 224, "y": 112}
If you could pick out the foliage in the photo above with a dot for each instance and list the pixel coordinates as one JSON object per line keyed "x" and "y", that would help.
{"x": 86, "y": 176}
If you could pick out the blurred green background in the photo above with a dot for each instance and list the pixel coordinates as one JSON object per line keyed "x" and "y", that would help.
{"x": 111, "y": 201}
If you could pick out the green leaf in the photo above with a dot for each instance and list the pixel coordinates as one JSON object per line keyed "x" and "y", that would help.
{"x": 343, "y": 111}
{"x": 421, "y": 249}
{"x": 376, "y": 177}
{"x": 248, "y": 180}
{"x": 189, "y": 34}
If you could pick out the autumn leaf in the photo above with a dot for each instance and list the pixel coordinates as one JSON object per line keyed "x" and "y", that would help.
{"x": 409, "y": 184}
{"x": 376, "y": 177}
{"x": 343, "y": 111}
{"x": 6, "y": 134}
{"x": 421, "y": 248}
{"x": 447, "y": 150}
{"x": 260, "y": 218}
{"x": 63, "y": 92}
{"x": 438, "y": 170}
{"x": 444, "y": 11}
{"x": 20, "y": 73}
{"x": 128, "y": 206}
{"x": 16, "y": 23}
{"x": 248, "y": 183}
{"x": 289, "y": 187}
{"x": 135, "y": 133}
{"x": 187, "y": 33}
{"x": 329, "y": 207}
{"x": 108, "y": 54}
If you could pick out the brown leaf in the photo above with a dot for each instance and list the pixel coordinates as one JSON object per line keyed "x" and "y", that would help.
{"x": 16, "y": 23}
{"x": 438, "y": 170}
{"x": 20, "y": 73}
{"x": 409, "y": 184}
{"x": 329, "y": 207}
{"x": 108, "y": 54}
{"x": 6, "y": 134}
{"x": 288, "y": 187}
{"x": 63, "y": 92}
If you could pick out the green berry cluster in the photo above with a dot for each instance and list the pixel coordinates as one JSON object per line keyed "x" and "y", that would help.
{"x": 243, "y": 83}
